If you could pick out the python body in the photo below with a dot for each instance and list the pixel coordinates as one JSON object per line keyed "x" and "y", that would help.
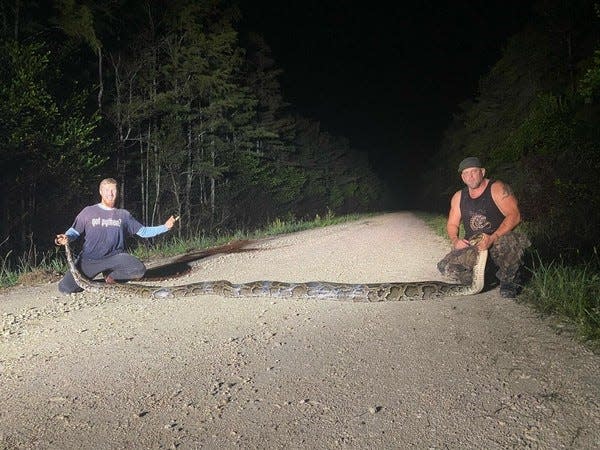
{"x": 375, "y": 292}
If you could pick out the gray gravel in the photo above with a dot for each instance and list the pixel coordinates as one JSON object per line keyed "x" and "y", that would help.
{"x": 84, "y": 371}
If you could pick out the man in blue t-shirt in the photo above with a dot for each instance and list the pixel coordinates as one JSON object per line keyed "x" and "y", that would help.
{"x": 105, "y": 228}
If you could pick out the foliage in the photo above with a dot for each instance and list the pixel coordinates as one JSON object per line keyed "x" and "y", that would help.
{"x": 48, "y": 263}
{"x": 292, "y": 225}
{"x": 8, "y": 277}
{"x": 43, "y": 138}
{"x": 170, "y": 100}
{"x": 567, "y": 291}
{"x": 535, "y": 125}
{"x": 559, "y": 154}
{"x": 436, "y": 222}
{"x": 589, "y": 87}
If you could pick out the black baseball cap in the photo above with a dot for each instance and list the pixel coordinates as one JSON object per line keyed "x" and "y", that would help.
{"x": 471, "y": 161}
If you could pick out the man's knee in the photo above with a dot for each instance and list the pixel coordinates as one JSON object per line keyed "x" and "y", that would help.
{"x": 513, "y": 242}
{"x": 137, "y": 269}
{"x": 128, "y": 267}
{"x": 136, "y": 275}
{"x": 508, "y": 253}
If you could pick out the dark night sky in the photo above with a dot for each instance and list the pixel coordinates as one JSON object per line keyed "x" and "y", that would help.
{"x": 386, "y": 77}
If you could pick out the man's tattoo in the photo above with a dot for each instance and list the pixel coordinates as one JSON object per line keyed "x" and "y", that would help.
{"x": 507, "y": 191}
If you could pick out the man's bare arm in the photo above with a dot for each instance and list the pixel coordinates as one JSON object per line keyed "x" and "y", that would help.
{"x": 453, "y": 224}
{"x": 507, "y": 203}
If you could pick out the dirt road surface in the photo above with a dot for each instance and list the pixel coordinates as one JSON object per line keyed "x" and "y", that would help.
{"x": 83, "y": 371}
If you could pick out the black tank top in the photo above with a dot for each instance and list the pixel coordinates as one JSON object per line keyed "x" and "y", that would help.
{"x": 479, "y": 215}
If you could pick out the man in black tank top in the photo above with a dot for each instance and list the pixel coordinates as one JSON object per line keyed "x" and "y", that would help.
{"x": 489, "y": 207}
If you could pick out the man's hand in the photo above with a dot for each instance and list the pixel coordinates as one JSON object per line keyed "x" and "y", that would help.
{"x": 460, "y": 243}
{"x": 61, "y": 239}
{"x": 487, "y": 241}
{"x": 171, "y": 221}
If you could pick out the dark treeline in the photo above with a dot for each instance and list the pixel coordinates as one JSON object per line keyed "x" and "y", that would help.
{"x": 172, "y": 101}
{"x": 187, "y": 114}
{"x": 536, "y": 124}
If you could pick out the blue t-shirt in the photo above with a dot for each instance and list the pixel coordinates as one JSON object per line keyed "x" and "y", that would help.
{"x": 105, "y": 230}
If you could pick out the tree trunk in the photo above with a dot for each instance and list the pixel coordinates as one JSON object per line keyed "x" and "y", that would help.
{"x": 100, "y": 80}
{"x": 143, "y": 182}
{"x": 212, "y": 183}
{"x": 189, "y": 177}
{"x": 157, "y": 172}
{"x": 177, "y": 195}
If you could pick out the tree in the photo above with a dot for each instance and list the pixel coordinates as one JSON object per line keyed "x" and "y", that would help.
{"x": 40, "y": 135}
{"x": 533, "y": 129}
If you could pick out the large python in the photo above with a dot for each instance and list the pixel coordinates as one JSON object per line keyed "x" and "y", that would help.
{"x": 375, "y": 292}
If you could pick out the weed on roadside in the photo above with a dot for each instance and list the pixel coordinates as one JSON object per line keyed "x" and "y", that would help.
{"x": 569, "y": 291}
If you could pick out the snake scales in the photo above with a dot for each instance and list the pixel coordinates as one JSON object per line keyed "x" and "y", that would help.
{"x": 375, "y": 292}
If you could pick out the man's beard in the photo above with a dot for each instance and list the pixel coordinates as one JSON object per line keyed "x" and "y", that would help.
{"x": 475, "y": 185}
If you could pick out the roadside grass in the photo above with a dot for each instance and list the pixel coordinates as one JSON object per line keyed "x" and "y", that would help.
{"x": 436, "y": 222}
{"x": 49, "y": 264}
{"x": 8, "y": 277}
{"x": 54, "y": 261}
{"x": 570, "y": 292}
{"x": 175, "y": 246}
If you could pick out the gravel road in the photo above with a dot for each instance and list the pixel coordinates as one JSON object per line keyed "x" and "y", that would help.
{"x": 83, "y": 371}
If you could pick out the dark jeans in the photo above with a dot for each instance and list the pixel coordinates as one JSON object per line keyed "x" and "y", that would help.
{"x": 120, "y": 267}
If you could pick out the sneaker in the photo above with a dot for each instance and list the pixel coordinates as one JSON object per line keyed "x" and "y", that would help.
{"x": 508, "y": 290}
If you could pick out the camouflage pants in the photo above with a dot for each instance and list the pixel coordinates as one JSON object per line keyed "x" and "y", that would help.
{"x": 506, "y": 254}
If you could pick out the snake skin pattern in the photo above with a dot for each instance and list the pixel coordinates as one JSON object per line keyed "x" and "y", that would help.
{"x": 375, "y": 292}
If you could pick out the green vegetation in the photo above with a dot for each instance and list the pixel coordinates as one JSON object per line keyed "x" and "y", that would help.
{"x": 535, "y": 124}
{"x": 292, "y": 225}
{"x": 51, "y": 263}
{"x": 436, "y": 222}
{"x": 174, "y": 102}
{"x": 8, "y": 277}
{"x": 569, "y": 292}
{"x": 176, "y": 246}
